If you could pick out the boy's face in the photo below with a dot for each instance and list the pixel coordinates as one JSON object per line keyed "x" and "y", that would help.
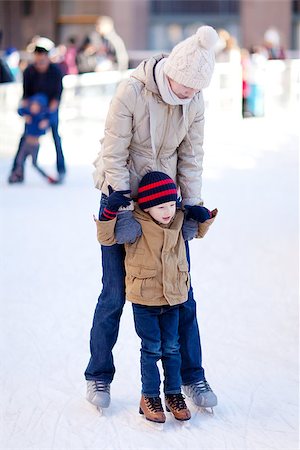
{"x": 163, "y": 213}
{"x": 34, "y": 107}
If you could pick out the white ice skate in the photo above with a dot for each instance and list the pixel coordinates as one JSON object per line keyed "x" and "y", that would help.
{"x": 201, "y": 394}
{"x": 98, "y": 393}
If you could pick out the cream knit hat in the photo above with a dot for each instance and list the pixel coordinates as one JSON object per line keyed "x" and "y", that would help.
{"x": 191, "y": 62}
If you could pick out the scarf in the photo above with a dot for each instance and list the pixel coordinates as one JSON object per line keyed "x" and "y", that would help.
{"x": 166, "y": 92}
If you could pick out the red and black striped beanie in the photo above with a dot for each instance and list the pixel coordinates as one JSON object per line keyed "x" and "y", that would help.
{"x": 156, "y": 188}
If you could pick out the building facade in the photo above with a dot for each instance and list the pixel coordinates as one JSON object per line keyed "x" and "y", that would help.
{"x": 149, "y": 24}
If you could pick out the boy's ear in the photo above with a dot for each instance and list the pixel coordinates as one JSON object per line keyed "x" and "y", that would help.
{"x": 146, "y": 210}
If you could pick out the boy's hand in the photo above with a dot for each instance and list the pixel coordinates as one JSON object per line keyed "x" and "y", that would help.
{"x": 198, "y": 213}
{"x": 189, "y": 229}
{"x": 44, "y": 124}
{"x": 127, "y": 229}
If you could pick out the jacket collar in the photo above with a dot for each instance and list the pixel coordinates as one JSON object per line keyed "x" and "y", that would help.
{"x": 145, "y": 73}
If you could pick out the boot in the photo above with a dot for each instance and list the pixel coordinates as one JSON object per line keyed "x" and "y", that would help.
{"x": 176, "y": 405}
{"x": 201, "y": 394}
{"x": 152, "y": 408}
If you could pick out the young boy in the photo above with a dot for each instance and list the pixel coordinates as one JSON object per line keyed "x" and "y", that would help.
{"x": 37, "y": 121}
{"x": 157, "y": 282}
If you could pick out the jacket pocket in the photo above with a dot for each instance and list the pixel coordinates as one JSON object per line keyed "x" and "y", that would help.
{"x": 141, "y": 281}
{"x": 183, "y": 277}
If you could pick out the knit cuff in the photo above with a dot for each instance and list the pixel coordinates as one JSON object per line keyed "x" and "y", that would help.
{"x": 108, "y": 215}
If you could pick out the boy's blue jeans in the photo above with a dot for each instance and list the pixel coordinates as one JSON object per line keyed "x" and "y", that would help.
{"x": 158, "y": 329}
{"x": 107, "y": 316}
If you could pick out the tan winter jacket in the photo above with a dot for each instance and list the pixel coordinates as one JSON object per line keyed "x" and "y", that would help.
{"x": 156, "y": 264}
{"x": 143, "y": 133}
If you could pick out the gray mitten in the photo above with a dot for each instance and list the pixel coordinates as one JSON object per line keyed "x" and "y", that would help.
{"x": 127, "y": 229}
{"x": 189, "y": 229}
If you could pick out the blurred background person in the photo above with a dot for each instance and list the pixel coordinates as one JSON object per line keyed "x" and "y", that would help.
{"x": 44, "y": 77}
{"x": 86, "y": 58}
{"x": 272, "y": 44}
{"x": 70, "y": 56}
{"x": 227, "y": 49}
{"x": 6, "y": 75}
{"x": 110, "y": 48}
{"x": 37, "y": 120}
{"x": 12, "y": 58}
{"x": 57, "y": 56}
{"x": 256, "y": 81}
{"x": 245, "y": 62}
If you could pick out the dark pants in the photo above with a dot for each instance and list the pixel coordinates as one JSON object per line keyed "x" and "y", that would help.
{"x": 60, "y": 161}
{"x": 107, "y": 315}
{"x": 28, "y": 149}
{"x": 158, "y": 329}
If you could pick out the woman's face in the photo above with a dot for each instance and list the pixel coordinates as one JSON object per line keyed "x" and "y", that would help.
{"x": 182, "y": 92}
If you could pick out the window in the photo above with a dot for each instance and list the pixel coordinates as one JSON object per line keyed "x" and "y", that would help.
{"x": 27, "y": 7}
{"x": 218, "y": 7}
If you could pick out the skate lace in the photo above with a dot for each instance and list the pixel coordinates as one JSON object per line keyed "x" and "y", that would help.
{"x": 200, "y": 387}
{"x": 99, "y": 386}
{"x": 154, "y": 404}
{"x": 176, "y": 401}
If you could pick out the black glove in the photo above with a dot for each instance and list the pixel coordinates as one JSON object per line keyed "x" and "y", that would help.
{"x": 115, "y": 201}
{"x": 127, "y": 229}
{"x": 198, "y": 213}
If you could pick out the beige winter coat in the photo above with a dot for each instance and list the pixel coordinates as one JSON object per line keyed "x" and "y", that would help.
{"x": 156, "y": 264}
{"x": 142, "y": 134}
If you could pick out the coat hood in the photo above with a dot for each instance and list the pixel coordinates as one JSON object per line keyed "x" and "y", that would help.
{"x": 145, "y": 72}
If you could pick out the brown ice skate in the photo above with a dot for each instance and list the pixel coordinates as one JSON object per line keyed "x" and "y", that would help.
{"x": 176, "y": 405}
{"x": 152, "y": 408}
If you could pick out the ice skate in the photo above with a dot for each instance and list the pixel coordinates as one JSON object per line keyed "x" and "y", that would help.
{"x": 176, "y": 405}
{"x": 61, "y": 178}
{"x": 16, "y": 177}
{"x": 201, "y": 394}
{"x": 52, "y": 180}
{"x": 98, "y": 393}
{"x": 152, "y": 409}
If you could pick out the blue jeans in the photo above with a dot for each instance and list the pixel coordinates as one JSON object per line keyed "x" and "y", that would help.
{"x": 105, "y": 329}
{"x": 158, "y": 329}
{"x": 60, "y": 160}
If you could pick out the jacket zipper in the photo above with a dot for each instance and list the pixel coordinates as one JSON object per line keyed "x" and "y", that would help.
{"x": 166, "y": 130}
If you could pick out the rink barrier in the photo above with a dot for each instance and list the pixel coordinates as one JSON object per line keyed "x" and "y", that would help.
{"x": 223, "y": 96}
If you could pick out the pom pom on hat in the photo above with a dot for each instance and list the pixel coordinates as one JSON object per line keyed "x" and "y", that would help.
{"x": 207, "y": 37}
{"x": 192, "y": 61}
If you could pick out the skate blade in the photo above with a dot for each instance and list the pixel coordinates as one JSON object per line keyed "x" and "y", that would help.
{"x": 207, "y": 410}
{"x": 183, "y": 423}
{"x": 100, "y": 410}
{"x": 180, "y": 423}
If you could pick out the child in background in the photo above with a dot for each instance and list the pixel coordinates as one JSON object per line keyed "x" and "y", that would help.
{"x": 157, "y": 282}
{"x": 37, "y": 121}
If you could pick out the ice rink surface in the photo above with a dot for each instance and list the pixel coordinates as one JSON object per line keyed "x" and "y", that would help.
{"x": 245, "y": 279}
